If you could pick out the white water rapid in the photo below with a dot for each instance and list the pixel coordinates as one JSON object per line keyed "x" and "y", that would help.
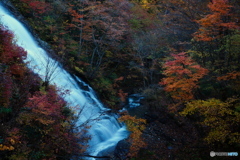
{"x": 106, "y": 131}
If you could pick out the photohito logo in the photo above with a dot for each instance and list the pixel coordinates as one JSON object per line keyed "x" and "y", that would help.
{"x": 212, "y": 153}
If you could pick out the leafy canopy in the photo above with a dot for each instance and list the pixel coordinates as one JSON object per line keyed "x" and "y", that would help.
{"x": 182, "y": 75}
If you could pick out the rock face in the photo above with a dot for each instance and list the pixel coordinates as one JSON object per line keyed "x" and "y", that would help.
{"x": 121, "y": 150}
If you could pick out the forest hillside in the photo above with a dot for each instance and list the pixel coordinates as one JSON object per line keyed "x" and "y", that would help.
{"x": 182, "y": 56}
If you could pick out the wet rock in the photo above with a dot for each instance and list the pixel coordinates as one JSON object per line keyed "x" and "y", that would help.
{"x": 106, "y": 154}
{"x": 150, "y": 117}
{"x": 121, "y": 150}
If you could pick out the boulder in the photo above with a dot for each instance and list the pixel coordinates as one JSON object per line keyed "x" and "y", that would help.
{"x": 121, "y": 150}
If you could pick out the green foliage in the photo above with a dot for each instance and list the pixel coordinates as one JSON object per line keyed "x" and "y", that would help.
{"x": 231, "y": 45}
{"x": 5, "y": 110}
{"x": 109, "y": 54}
{"x": 237, "y": 107}
{"x": 67, "y": 112}
{"x": 37, "y": 155}
{"x": 79, "y": 70}
{"x": 106, "y": 89}
{"x": 152, "y": 93}
{"x": 135, "y": 24}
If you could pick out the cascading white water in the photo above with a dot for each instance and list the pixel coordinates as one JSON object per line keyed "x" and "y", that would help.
{"x": 134, "y": 100}
{"x": 106, "y": 131}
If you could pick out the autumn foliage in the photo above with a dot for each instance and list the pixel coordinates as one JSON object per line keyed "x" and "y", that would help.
{"x": 37, "y": 6}
{"x": 122, "y": 47}
{"x": 43, "y": 117}
{"x": 11, "y": 65}
{"x": 213, "y": 25}
{"x": 222, "y": 118}
{"x": 136, "y": 127}
{"x": 35, "y": 122}
{"x": 182, "y": 76}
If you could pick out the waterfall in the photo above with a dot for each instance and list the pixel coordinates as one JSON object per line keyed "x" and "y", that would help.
{"x": 106, "y": 131}
{"x": 134, "y": 100}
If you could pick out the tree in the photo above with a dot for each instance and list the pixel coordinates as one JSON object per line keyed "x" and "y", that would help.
{"x": 216, "y": 24}
{"x": 46, "y": 125}
{"x": 215, "y": 43}
{"x": 182, "y": 75}
{"x": 11, "y": 65}
{"x": 34, "y": 122}
{"x": 148, "y": 51}
{"x": 50, "y": 67}
{"x": 177, "y": 20}
{"x": 136, "y": 127}
{"x": 38, "y": 7}
{"x": 221, "y": 118}
{"x": 96, "y": 28}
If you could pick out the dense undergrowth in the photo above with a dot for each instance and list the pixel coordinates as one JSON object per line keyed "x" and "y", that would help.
{"x": 36, "y": 122}
{"x": 182, "y": 55}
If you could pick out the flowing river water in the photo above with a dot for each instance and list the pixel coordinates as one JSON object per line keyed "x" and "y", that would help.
{"x": 105, "y": 130}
